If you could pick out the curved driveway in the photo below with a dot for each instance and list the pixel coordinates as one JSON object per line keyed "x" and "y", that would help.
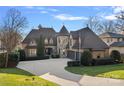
{"x": 53, "y": 70}
{"x": 54, "y": 67}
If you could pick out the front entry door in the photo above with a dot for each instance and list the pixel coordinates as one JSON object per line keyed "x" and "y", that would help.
{"x": 49, "y": 51}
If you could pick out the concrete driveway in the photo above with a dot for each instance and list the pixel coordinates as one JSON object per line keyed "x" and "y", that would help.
{"x": 53, "y": 70}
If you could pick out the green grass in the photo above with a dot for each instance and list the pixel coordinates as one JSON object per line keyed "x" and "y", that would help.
{"x": 107, "y": 71}
{"x": 18, "y": 77}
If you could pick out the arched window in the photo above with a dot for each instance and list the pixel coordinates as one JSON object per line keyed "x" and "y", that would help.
{"x": 46, "y": 41}
{"x": 51, "y": 41}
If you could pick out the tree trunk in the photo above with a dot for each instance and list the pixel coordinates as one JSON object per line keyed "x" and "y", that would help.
{"x": 6, "y": 64}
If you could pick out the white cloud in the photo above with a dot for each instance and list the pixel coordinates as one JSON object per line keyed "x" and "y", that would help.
{"x": 42, "y": 9}
{"x": 110, "y": 17}
{"x": 117, "y": 9}
{"x": 107, "y": 16}
{"x": 69, "y": 17}
{"x": 43, "y": 12}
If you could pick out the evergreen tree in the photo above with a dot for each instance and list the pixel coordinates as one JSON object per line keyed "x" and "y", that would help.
{"x": 86, "y": 58}
{"x": 115, "y": 55}
{"x": 40, "y": 47}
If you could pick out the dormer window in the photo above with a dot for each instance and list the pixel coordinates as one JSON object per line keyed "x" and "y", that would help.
{"x": 51, "y": 41}
{"x": 46, "y": 41}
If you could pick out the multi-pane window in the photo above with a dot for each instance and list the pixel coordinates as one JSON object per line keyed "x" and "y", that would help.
{"x": 51, "y": 41}
{"x": 46, "y": 41}
{"x": 32, "y": 52}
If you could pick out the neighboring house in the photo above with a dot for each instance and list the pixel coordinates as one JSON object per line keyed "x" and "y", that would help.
{"x": 86, "y": 39}
{"x": 121, "y": 32}
{"x": 114, "y": 40}
{"x": 64, "y": 43}
{"x": 119, "y": 46}
{"x": 109, "y": 37}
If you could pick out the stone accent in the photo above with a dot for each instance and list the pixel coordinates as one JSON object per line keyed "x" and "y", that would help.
{"x": 62, "y": 42}
{"x": 62, "y": 45}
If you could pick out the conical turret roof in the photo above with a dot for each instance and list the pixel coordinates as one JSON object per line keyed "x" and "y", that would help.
{"x": 63, "y": 31}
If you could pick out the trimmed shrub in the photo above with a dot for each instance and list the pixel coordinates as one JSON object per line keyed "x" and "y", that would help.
{"x": 73, "y": 63}
{"x": 55, "y": 56}
{"x": 122, "y": 59}
{"x": 102, "y": 61}
{"x": 86, "y": 58}
{"x": 22, "y": 55}
{"x": 13, "y": 60}
{"x": 36, "y": 58}
{"x": 2, "y": 60}
{"x": 115, "y": 55}
{"x": 45, "y": 57}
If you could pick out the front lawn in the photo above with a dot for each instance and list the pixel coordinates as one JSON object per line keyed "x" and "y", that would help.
{"x": 108, "y": 71}
{"x": 18, "y": 77}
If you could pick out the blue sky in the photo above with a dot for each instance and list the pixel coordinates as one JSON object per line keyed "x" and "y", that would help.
{"x": 73, "y": 17}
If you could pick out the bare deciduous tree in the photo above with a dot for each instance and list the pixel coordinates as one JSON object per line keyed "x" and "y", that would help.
{"x": 10, "y": 34}
{"x": 100, "y": 26}
{"x": 120, "y": 21}
{"x": 93, "y": 23}
{"x": 107, "y": 26}
{"x": 120, "y": 15}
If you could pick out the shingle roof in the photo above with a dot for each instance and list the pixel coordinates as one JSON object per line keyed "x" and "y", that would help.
{"x": 63, "y": 31}
{"x": 45, "y": 32}
{"x": 88, "y": 39}
{"x": 110, "y": 34}
{"x": 117, "y": 44}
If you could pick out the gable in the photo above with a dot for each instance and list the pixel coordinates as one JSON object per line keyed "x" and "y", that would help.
{"x": 44, "y": 32}
{"x": 89, "y": 40}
